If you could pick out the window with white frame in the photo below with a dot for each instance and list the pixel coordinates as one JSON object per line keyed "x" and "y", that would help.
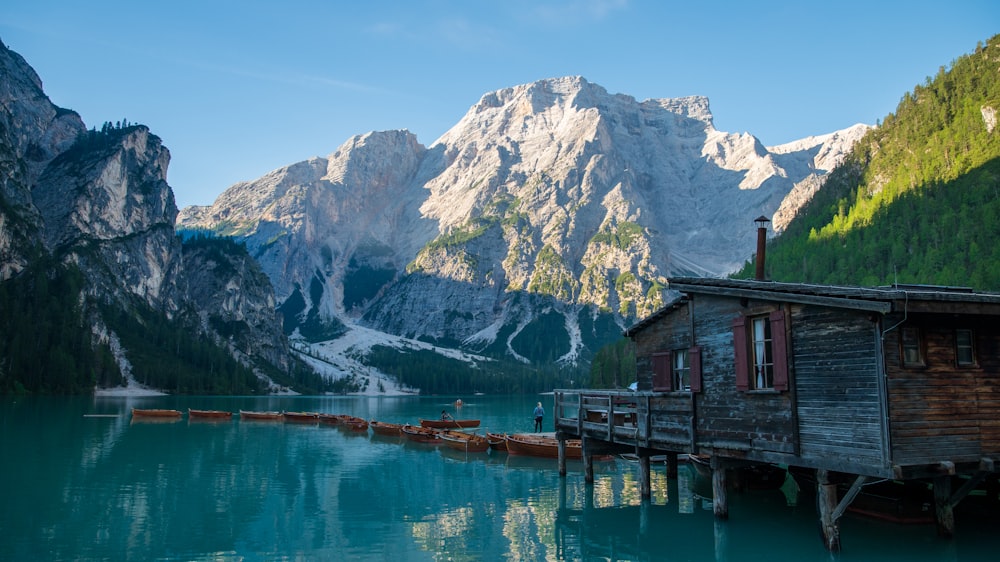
{"x": 761, "y": 348}
{"x": 763, "y": 356}
{"x": 911, "y": 347}
{"x": 681, "y": 370}
{"x": 965, "y": 348}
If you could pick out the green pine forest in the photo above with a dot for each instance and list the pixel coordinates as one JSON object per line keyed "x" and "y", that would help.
{"x": 916, "y": 202}
{"x": 46, "y": 344}
{"x": 918, "y": 199}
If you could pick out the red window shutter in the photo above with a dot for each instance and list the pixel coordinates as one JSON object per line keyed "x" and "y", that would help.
{"x": 740, "y": 349}
{"x": 661, "y": 371}
{"x": 694, "y": 358}
{"x": 779, "y": 349}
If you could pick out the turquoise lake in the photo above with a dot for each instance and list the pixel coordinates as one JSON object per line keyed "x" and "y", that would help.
{"x": 82, "y": 481}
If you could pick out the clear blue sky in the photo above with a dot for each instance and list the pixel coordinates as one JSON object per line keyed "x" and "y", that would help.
{"x": 237, "y": 88}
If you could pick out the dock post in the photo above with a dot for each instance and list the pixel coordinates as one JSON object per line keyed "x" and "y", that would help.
{"x": 943, "y": 511}
{"x": 588, "y": 467}
{"x": 720, "y": 503}
{"x": 826, "y": 502}
{"x": 645, "y": 489}
{"x": 562, "y": 456}
{"x": 672, "y": 465}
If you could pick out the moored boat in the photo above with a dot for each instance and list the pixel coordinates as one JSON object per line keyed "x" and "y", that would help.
{"x": 752, "y": 476}
{"x": 155, "y": 413}
{"x": 252, "y": 415}
{"x": 420, "y": 434}
{"x": 498, "y": 441}
{"x": 542, "y": 446}
{"x": 331, "y": 419}
{"x": 461, "y": 441}
{"x": 354, "y": 423}
{"x": 386, "y": 428}
{"x": 659, "y": 459}
{"x": 449, "y": 424}
{"x": 209, "y": 414}
{"x": 301, "y": 417}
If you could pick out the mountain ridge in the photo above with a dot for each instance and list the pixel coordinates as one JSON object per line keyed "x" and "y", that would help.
{"x": 90, "y": 212}
{"x": 551, "y": 196}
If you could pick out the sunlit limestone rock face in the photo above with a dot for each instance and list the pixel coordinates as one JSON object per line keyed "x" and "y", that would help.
{"x": 107, "y": 204}
{"x": 551, "y": 206}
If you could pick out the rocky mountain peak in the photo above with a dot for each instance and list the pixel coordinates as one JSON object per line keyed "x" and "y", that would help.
{"x": 551, "y": 196}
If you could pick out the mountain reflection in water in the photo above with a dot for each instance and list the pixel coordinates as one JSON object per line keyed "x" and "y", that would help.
{"x": 106, "y": 488}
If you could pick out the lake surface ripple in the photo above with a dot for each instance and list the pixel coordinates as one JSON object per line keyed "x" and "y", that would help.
{"x": 83, "y": 481}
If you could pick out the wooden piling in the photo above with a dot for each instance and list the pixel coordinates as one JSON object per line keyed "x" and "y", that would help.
{"x": 645, "y": 488}
{"x": 943, "y": 510}
{"x": 720, "y": 501}
{"x": 588, "y": 467}
{"x": 826, "y": 503}
{"x": 561, "y": 456}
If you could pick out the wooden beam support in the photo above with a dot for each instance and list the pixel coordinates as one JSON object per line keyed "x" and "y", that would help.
{"x": 720, "y": 502}
{"x": 969, "y": 485}
{"x": 849, "y": 497}
{"x": 671, "y": 465}
{"x": 562, "y": 457}
{"x": 826, "y": 503}
{"x": 645, "y": 488}
{"x": 942, "y": 507}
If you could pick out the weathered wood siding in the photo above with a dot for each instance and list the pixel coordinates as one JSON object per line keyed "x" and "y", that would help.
{"x": 836, "y": 374}
{"x": 752, "y": 422}
{"x": 670, "y": 416}
{"x": 670, "y": 421}
{"x": 672, "y": 331}
{"x": 941, "y": 411}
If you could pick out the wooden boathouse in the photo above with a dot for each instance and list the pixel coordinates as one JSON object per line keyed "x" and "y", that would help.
{"x": 843, "y": 385}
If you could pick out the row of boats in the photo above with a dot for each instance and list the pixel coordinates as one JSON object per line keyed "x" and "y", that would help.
{"x": 452, "y": 433}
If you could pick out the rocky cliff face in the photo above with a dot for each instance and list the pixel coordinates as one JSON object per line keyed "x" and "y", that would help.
{"x": 551, "y": 199}
{"x": 100, "y": 200}
{"x": 32, "y": 133}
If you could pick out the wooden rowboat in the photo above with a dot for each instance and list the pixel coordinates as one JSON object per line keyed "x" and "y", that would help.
{"x": 420, "y": 434}
{"x": 344, "y": 420}
{"x": 543, "y": 446}
{"x": 155, "y": 413}
{"x": 263, "y": 416}
{"x": 498, "y": 441}
{"x": 354, "y": 423}
{"x": 751, "y": 476}
{"x": 209, "y": 414}
{"x": 386, "y": 428}
{"x": 449, "y": 424}
{"x": 301, "y": 417}
{"x": 461, "y": 441}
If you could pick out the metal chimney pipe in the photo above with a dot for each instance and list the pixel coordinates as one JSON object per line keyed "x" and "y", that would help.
{"x": 761, "y": 222}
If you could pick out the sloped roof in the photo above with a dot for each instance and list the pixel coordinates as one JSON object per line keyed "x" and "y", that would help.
{"x": 918, "y": 298}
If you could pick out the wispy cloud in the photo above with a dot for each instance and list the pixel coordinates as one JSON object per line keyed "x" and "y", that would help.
{"x": 575, "y": 12}
{"x": 456, "y": 32}
{"x": 465, "y": 34}
{"x": 281, "y": 77}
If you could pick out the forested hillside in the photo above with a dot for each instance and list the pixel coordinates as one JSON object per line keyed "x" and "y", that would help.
{"x": 918, "y": 199}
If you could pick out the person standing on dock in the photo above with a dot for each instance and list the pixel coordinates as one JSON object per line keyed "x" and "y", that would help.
{"x": 539, "y": 414}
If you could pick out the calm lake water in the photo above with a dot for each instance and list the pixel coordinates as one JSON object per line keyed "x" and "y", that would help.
{"x": 79, "y": 487}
